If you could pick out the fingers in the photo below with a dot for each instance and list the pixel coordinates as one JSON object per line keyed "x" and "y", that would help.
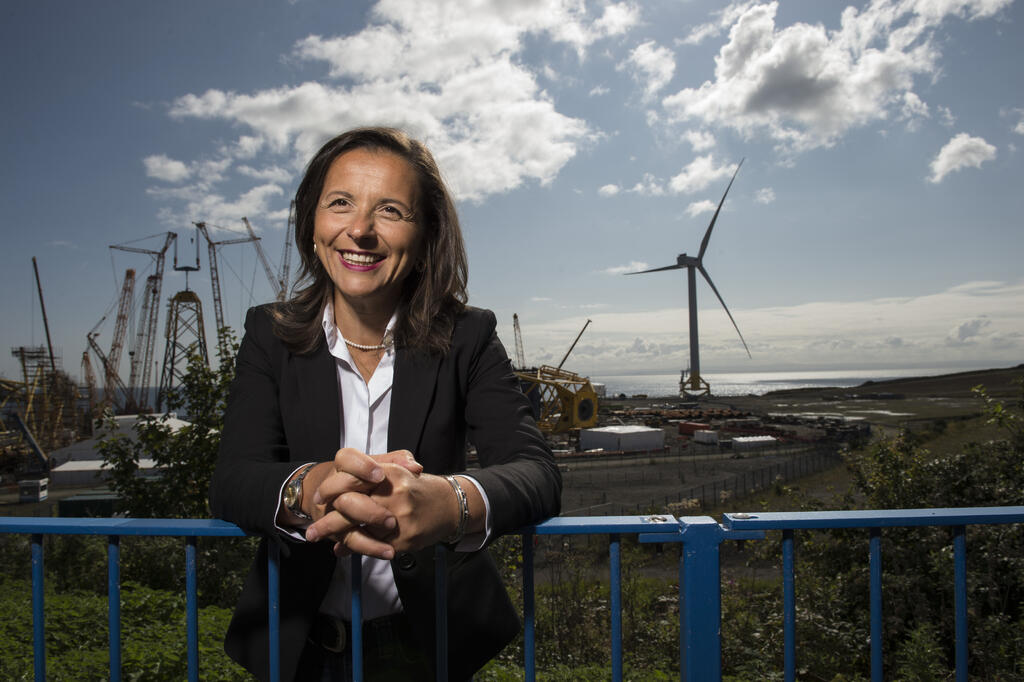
{"x": 402, "y": 458}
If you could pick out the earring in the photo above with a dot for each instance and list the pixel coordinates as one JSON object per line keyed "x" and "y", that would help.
{"x": 314, "y": 247}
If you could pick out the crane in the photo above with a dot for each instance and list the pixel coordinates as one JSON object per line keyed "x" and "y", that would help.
{"x": 218, "y": 306}
{"x": 142, "y": 351}
{"x": 286, "y": 256}
{"x": 562, "y": 400}
{"x": 520, "y": 354}
{"x": 280, "y": 290}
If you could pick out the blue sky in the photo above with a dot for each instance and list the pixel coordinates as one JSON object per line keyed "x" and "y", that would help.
{"x": 874, "y": 223}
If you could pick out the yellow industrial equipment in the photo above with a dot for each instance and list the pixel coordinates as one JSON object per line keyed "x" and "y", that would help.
{"x": 562, "y": 400}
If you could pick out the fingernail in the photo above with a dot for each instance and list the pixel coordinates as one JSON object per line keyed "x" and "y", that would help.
{"x": 377, "y": 475}
{"x": 312, "y": 535}
{"x": 388, "y": 553}
{"x": 390, "y": 523}
{"x": 317, "y": 499}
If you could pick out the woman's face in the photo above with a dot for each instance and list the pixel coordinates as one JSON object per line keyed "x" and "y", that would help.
{"x": 365, "y": 233}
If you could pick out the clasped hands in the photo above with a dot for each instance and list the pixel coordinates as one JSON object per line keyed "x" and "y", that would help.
{"x": 377, "y": 505}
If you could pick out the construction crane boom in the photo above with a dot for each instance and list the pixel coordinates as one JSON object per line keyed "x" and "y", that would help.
{"x": 124, "y": 308}
{"x": 573, "y": 345}
{"x": 520, "y": 354}
{"x": 145, "y": 340}
{"x": 286, "y": 257}
{"x": 218, "y": 306}
{"x": 275, "y": 283}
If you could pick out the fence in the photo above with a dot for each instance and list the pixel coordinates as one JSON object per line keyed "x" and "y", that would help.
{"x": 661, "y": 488}
{"x": 699, "y": 577}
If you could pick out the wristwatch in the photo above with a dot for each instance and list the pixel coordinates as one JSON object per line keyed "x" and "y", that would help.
{"x": 293, "y": 494}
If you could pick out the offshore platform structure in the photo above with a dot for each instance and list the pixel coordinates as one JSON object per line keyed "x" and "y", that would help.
{"x": 40, "y": 412}
{"x": 562, "y": 401}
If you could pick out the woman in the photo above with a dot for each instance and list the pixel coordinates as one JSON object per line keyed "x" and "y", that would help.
{"x": 346, "y": 430}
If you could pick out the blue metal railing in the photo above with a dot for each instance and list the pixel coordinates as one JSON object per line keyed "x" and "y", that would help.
{"x": 700, "y": 538}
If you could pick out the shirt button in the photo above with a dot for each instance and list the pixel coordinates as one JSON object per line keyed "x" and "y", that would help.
{"x": 406, "y": 561}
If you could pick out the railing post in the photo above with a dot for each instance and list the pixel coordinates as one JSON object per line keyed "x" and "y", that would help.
{"x": 191, "y": 609}
{"x": 38, "y": 614}
{"x": 441, "y": 610}
{"x": 356, "y": 576}
{"x": 788, "y": 608}
{"x": 960, "y": 599}
{"x": 274, "y": 609}
{"x": 529, "y": 615}
{"x": 114, "y": 605}
{"x": 700, "y": 657}
{"x": 875, "y": 568}
{"x": 615, "y": 597}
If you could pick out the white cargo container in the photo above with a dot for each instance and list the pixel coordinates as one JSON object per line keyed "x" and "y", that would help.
{"x": 622, "y": 437}
{"x": 706, "y": 437}
{"x": 742, "y": 443}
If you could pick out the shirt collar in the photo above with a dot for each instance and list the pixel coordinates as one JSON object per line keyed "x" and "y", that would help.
{"x": 336, "y": 341}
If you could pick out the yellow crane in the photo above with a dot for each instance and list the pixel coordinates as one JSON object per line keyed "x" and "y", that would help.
{"x": 562, "y": 401}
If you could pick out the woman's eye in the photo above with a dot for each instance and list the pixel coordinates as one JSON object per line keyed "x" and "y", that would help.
{"x": 339, "y": 203}
{"x": 392, "y": 212}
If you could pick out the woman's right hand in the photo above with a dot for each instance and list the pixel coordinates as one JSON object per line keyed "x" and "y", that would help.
{"x": 336, "y": 495}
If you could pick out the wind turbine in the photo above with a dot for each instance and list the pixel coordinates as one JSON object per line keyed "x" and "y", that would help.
{"x": 694, "y": 383}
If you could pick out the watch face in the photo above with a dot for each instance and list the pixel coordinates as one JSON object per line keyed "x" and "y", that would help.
{"x": 291, "y": 495}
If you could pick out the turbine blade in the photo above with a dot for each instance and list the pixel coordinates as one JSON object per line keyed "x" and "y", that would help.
{"x": 707, "y": 235}
{"x": 667, "y": 267}
{"x": 720, "y": 300}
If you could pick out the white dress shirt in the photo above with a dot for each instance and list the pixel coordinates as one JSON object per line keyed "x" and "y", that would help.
{"x": 365, "y": 412}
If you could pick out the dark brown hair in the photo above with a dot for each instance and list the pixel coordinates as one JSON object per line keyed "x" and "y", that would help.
{"x": 433, "y": 294}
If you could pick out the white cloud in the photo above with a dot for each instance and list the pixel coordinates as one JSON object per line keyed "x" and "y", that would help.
{"x": 966, "y": 333}
{"x": 700, "y": 140}
{"x": 946, "y": 116}
{"x": 598, "y": 90}
{"x": 913, "y": 110}
{"x": 698, "y": 174}
{"x": 649, "y": 186}
{"x": 765, "y": 195}
{"x": 608, "y": 190}
{"x": 633, "y": 266}
{"x": 162, "y": 167}
{"x": 703, "y": 206}
{"x": 651, "y": 65}
{"x": 805, "y": 87}
{"x": 1019, "y": 128}
{"x": 448, "y": 72}
{"x": 963, "y": 151}
{"x": 269, "y": 173}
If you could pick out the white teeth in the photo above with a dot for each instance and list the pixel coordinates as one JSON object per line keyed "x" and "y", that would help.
{"x": 361, "y": 258}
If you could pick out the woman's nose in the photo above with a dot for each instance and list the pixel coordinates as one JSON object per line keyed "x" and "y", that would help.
{"x": 362, "y": 226}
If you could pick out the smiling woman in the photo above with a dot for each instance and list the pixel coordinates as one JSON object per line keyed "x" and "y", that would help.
{"x": 347, "y": 425}
{"x": 367, "y": 239}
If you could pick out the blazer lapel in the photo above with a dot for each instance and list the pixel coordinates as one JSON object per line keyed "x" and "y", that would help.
{"x": 412, "y": 391}
{"x": 317, "y": 395}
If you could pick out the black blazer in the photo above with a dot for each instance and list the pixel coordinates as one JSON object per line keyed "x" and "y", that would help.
{"x": 284, "y": 409}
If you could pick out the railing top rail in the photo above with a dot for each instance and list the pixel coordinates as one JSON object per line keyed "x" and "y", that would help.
{"x": 587, "y": 525}
{"x": 118, "y": 526}
{"x": 875, "y": 518}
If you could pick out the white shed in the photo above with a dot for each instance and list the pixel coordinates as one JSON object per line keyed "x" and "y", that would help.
{"x": 622, "y": 437}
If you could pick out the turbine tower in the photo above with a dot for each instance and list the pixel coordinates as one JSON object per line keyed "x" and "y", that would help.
{"x": 694, "y": 384}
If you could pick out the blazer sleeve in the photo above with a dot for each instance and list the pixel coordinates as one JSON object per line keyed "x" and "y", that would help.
{"x": 253, "y": 461}
{"x": 518, "y": 471}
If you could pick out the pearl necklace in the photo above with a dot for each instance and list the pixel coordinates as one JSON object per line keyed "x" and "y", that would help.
{"x": 386, "y": 342}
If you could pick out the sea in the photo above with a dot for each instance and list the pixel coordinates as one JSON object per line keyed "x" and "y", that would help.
{"x": 754, "y": 383}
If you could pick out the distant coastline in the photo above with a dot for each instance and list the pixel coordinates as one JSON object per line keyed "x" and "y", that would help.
{"x": 727, "y": 384}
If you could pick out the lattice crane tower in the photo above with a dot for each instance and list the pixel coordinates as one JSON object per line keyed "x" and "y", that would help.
{"x": 185, "y": 333}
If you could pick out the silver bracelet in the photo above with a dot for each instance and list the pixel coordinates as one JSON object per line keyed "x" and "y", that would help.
{"x": 460, "y": 495}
